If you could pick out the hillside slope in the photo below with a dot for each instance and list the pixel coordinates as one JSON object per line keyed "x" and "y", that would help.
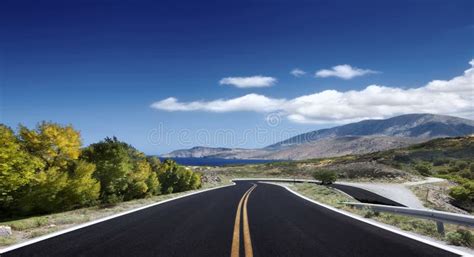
{"x": 354, "y": 138}
{"x": 422, "y": 126}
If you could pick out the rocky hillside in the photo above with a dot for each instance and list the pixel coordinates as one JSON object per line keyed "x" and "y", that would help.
{"x": 421, "y": 126}
{"x": 217, "y": 152}
{"x": 354, "y": 138}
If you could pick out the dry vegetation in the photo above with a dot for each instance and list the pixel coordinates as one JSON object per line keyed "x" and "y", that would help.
{"x": 423, "y": 227}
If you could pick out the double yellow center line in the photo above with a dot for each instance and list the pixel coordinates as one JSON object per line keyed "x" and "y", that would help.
{"x": 246, "y": 231}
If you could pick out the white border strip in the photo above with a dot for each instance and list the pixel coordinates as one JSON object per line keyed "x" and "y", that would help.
{"x": 90, "y": 223}
{"x": 379, "y": 225}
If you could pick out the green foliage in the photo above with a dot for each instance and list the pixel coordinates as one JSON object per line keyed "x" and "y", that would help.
{"x": 113, "y": 166}
{"x": 41, "y": 172}
{"x": 17, "y": 167}
{"x": 82, "y": 189}
{"x": 462, "y": 237}
{"x": 137, "y": 181}
{"x": 175, "y": 178}
{"x": 56, "y": 145}
{"x": 44, "y": 193}
{"x": 124, "y": 172}
{"x": 423, "y": 168}
{"x": 463, "y": 192}
{"x": 325, "y": 176}
{"x": 44, "y": 170}
{"x": 461, "y": 165}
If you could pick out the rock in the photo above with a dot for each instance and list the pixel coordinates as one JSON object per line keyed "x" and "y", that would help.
{"x": 5, "y": 231}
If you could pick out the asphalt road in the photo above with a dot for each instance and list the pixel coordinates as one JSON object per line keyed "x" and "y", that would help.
{"x": 271, "y": 222}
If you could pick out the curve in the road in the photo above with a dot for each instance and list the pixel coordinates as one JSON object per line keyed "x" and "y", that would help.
{"x": 279, "y": 223}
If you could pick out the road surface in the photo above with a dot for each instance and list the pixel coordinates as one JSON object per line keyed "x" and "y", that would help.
{"x": 248, "y": 219}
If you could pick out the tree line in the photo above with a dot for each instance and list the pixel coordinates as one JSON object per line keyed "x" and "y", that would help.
{"x": 46, "y": 169}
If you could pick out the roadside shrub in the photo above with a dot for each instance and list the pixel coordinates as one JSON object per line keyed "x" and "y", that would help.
{"x": 463, "y": 192}
{"x": 461, "y": 237}
{"x": 175, "y": 178}
{"x": 325, "y": 176}
{"x": 423, "y": 168}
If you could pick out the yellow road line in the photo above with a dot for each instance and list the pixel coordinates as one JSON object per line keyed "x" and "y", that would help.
{"x": 247, "y": 240}
{"x": 236, "y": 235}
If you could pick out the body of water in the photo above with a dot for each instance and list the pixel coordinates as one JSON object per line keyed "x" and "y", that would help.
{"x": 215, "y": 161}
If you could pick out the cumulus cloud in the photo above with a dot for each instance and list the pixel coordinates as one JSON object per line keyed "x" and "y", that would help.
{"x": 246, "y": 82}
{"x": 297, "y": 72}
{"x": 250, "y": 102}
{"x": 454, "y": 96}
{"x": 343, "y": 71}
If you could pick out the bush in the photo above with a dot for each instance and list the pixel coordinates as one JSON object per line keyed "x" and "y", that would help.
{"x": 175, "y": 178}
{"x": 423, "y": 168}
{"x": 123, "y": 171}
{"x": 463, "y": 192}
{"x": 461, "y": 237}
{"x": 461, "y": 165}
{"x": 325, "y": 176}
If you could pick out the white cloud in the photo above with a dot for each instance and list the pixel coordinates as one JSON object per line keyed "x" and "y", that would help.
{"x": 250, "y": 102}
{"x": 454, "y": 97}
{"x": 343, "y": 71}
{"x": 246, "y": 82}
{"x": 297, "y": 72}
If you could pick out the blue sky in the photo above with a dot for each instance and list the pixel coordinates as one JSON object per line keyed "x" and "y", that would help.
{"x": 101, "y": 65}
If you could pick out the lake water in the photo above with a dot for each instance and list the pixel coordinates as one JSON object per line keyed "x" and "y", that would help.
{"x": 214, "y": 161}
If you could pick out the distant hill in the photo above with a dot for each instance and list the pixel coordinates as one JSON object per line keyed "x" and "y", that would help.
{"x": 355, "y": 138}
{"x": 215, "y": 152}
{"x": 422, "y": 126}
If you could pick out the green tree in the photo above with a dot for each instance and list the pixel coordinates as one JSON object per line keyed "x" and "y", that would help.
{"x": 155, "y": 163}
{"x": 123, "y": 171}
{"x": 82, "y": 189}
{"x": 175, "y": 178}
{"x": 168, "y": 176}
{"x": 63, "y": 182}
{"x": 17, "y": 166}
{"x": 139, "y": 181}
{"x": 325, "y": 176}
{"x": 44, "y": 193}
{"x": 113, "y": 164}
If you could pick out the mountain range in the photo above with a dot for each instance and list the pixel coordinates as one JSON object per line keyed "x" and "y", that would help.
{"x": 355, "y": 138}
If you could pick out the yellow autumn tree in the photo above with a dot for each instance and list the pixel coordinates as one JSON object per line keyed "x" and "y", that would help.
{"x": 56, "y": 145}
{"x": 64, "y": 182}
{"x": 17, "y": 167}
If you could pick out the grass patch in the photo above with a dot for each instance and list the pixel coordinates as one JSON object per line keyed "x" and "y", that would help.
{"x": 322, "y": 194}
{"x": 29, "y": 223}
{"x": 7, "y": 240}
